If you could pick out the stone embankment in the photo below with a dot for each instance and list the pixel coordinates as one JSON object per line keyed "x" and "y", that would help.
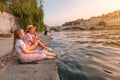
{"x": 11, "y": 70}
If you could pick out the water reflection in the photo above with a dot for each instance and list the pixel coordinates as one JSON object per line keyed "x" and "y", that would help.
{"x": 92, "y": 55}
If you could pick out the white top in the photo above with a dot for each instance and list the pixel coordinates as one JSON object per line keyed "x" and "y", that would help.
{"x": 18, "y": 44}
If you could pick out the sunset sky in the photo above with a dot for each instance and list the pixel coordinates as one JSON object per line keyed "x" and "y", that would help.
{"x": 56, "y": 12}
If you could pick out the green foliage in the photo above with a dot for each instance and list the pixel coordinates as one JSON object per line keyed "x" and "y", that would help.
{"x": 102, "y": 23}
{"x": 2, "y": 5}
{"x": 71, "y": 23}
{"x": 27, "y": 12}
{"x": 76, "y": 22}
{"x": 67, "y": 24}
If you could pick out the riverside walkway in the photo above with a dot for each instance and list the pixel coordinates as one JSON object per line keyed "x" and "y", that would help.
{"x": 44, "y": 70}
{"x": 5, "y": 45}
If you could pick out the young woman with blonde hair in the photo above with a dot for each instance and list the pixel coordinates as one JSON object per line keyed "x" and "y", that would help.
{"x": 31, "y": 39}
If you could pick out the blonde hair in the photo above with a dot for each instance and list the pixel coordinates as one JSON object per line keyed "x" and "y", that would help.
{"x": 29, "y": 27}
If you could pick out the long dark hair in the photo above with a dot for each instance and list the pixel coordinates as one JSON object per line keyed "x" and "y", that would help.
{"x": 16, "y": 36}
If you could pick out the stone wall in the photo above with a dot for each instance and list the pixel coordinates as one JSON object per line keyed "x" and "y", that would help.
{"x": 6, "y": 22}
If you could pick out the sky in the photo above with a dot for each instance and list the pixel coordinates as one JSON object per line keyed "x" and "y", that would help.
{"x": 57, "y": 12}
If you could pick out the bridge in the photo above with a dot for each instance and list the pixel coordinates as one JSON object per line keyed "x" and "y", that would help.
{"x": 61, "y": 28}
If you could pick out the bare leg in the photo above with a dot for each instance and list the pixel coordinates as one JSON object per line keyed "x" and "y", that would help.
{"x": 48, "y": 53}
{"x": 42, "y": 41}
{"x": 36, "y": 44}
{"x": 50, "y": 57}
{"x": 41, "y": 44}
{"x": 33, "y": 46}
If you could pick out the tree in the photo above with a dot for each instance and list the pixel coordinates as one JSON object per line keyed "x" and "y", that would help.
{"x": 2, "y": 5}
{"x": 67, "y": 23}
{"x": 102, "y": 23}
{"x": 27, "y": 12}
{"x": 71, "y": 23}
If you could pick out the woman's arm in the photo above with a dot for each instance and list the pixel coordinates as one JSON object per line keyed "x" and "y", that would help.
{"x": 26, "y": 51}
{"x": 34, "y": 40}
{"x": 35, "y": 36}
{"x": 31, "y": 41}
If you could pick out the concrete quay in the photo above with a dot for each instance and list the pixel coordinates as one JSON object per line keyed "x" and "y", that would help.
{"x": 44, "y": 70}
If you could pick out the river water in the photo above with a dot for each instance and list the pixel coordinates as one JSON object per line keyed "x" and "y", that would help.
{"x": 90, "y": 55}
